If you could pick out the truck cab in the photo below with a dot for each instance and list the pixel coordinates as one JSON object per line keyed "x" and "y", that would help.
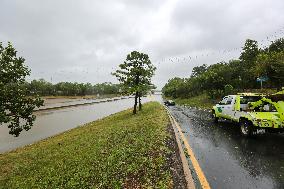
{"x": 232, "y": 106}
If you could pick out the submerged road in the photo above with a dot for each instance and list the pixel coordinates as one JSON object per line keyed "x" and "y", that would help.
{"x": 229, "y": 160}
{"x": 54, "y": 121}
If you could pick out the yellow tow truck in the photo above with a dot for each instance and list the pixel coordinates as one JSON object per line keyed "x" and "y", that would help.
{"x": 252, "y": 111}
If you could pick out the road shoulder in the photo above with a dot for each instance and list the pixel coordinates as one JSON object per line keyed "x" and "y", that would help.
{"x": 181, "y": 155}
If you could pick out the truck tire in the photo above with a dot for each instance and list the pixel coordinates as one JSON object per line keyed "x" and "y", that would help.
{"x": 214, "y": 117}
{"x": 246, "y": 128}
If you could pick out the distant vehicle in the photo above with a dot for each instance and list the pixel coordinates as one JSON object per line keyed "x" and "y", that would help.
{"x": 169, "y": 103}
{"x": 252, "y": 111}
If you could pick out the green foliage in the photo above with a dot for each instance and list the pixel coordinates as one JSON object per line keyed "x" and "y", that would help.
{"x": 172, "y": 87}
{"x": 198, "y": 70}
{"x": 16, "y": 109}
{"x": 108, "y": 153}
{"x": 135, "y": 75}
{"x": 277, "y": 46}
{"x": 248, "y": 58}
{"x": 222, "y": 78}
{"x": 228, "y": 89}
{"x": 249, "y": 53}
{"x": 40, "y": 87}
{"x": 45, "y": 88}
{"x": 272, "y": 66}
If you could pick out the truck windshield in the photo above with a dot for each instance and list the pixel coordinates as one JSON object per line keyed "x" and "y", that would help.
{"x": 247, "y": 99}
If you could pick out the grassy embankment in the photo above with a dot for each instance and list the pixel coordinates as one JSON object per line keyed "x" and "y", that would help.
{"x": 121, "y": 150}
{"x": 200, "y": 101}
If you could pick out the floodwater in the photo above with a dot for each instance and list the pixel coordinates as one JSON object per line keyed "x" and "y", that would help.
{"x": 229, "y": 160}
{"x": 52, "y": 122}
{"x": 55, "y": 103}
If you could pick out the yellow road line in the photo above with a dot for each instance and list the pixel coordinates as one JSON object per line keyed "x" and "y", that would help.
{"x": 186, "y": 170}
{"x": 198, "y": 170}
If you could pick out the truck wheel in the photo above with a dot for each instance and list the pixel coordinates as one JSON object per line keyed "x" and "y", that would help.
{"x": 215, "y": 118}
{"x": 246, "y": 128}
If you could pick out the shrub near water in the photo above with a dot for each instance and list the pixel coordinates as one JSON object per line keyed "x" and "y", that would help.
{"x": 122, "y": 150}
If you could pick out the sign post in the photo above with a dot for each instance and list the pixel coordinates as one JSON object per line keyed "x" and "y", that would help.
{"x": 261, "y": 79}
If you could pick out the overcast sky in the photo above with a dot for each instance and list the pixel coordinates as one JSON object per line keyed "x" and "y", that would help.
{"x": 85, "y": 40}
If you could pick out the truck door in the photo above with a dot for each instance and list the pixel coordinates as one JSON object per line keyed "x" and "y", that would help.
{"x": 229, "y": 107}
{"x": 221, "y": 105}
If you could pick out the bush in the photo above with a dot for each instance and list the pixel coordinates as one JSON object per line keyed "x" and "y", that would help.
{"x": 228, "y": 89}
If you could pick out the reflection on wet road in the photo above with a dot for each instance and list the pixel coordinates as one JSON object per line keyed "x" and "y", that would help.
{"x": 52, "y": 122}
{"x": 228, "y": 159}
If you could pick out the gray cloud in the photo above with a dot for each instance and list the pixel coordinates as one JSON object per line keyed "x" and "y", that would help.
{"x": 86, "y": 40}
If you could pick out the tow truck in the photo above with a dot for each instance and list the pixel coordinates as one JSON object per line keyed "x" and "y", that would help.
{"x": 252, "y": 112}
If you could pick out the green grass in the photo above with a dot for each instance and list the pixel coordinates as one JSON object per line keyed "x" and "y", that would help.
{"x": 119, "y": 151}
{"x": 200, "y": 101}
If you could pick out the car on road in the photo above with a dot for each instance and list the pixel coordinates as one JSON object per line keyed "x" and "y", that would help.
{"x": 169, "y": 103}
{"x": 252, "y": 112}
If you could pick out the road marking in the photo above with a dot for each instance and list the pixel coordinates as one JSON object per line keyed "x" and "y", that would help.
{"x": 186, "y": 170}
{"x": 198, "y": 170}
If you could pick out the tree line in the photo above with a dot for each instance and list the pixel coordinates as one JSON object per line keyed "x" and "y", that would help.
{"x": 255, "y": 64}
{"x": 44, "y": 88}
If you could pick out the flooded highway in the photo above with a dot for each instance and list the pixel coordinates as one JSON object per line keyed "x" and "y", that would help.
{"x": 228, "y": 159}
{"x": 61, "y": 103}
{"x": 52, "y": 122}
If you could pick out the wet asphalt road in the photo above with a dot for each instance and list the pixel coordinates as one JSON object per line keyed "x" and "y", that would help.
{"x": 229, "y": 160}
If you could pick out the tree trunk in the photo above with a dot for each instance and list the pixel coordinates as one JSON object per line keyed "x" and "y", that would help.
{"x": 140, "y": 105}
{"x": 135, "y": 103}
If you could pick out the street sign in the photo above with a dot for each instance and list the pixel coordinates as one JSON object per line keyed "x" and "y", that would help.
{"x": 261, "y": 79}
